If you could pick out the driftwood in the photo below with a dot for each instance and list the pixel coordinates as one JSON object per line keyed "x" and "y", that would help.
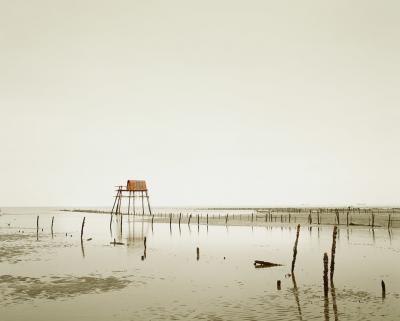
{"x": 116, "y": 243}
{"x": 264, "y": 264}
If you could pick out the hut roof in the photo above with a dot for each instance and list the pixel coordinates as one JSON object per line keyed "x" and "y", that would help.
{"x": 135, "y": 185}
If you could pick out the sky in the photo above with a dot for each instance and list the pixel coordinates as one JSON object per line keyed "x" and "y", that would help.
{"x": 213, "y": 103}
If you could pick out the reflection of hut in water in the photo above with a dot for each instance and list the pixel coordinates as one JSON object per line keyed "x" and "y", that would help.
{"x": 134, "y": 189}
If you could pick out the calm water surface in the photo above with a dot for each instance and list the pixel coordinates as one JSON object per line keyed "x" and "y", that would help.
{"x": 58, "y": 278}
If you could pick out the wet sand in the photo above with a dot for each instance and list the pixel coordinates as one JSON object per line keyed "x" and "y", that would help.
{"x": 57, "y": 277}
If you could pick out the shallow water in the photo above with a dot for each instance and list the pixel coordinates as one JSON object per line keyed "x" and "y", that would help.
{"x": 55, "y": 277}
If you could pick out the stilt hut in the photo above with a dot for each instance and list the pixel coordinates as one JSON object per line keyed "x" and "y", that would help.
{"x": 134, "y": 189}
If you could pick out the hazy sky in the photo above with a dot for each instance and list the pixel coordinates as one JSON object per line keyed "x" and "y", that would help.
{"x": 214, "y": 103}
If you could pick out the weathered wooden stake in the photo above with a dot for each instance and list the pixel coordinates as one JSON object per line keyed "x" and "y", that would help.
{"x": 198, "y": 253}
{"x": 383, "y": 289}
{"x": 333, "y": 252}
{"x": 295, "y": 248}
{"x": 278, "y": 284}
{"x": 190, "y": 216}
{"x": 37, "y": 228}
{"x": 52, "y": 223}
{"x": 226, "y": 219}
{"x": 83, "y": 224}
{"x": 389, "y": 221}
{"x": 179, "y": 221}
{"x": 145, "y": 242}
{"x": 198, "y": 220}
{"x": 170, "y": 220}
{"x": 207, "y": 219}
{"x": 326, "y": 286}
{"x": 373, "y": 219}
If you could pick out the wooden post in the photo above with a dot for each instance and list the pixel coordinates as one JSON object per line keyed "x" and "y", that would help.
{"x": 337, "y": 217}
{"x": 383, "y": 289}
{"x": 198, "y": 220}
{"x": 179, "y": 222}
{"x": 190, "y": 216}
{"x": 52, "y": 223}
{"x": 207, "y": 219}
{"x": 347, "y": 218}
{"x": 326, "y": 286}
{"x": 198, "y": 253}
{"x": 37, "y": 228}
{"x": 278, "y": 284}
{"x": 389, "y": 222}
{"x": 333, "y": 252}
{"x": 373, "y": 219}
{"x": 295, "y": 248}
{"x": 83, "y": 224}
{"x": 226, "y": 219}
{"x": 170, "y": 220}
{"x": 145, "y": 242}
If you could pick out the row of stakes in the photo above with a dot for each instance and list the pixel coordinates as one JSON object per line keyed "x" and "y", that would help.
{"x": 269, "y": 217}
{"x": 279, "y": 283}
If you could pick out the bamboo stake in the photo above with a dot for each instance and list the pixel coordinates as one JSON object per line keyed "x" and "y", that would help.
{"x": 37, "y": 228}
{"x": 83, "y": 224}
{"x": 295, "y": 248}
{"x": 52, "y": 223}
{"x": 383, "y": 289}
{"x": 333, "y": 252}
{"x": 325, "y": 275}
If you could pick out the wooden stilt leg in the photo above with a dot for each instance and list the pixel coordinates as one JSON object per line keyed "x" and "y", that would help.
{"x": 148, "y": 202}
{"x": 142, "y": 203}
{"x": 134, "y": 206}
{"x": 129, "y": 203}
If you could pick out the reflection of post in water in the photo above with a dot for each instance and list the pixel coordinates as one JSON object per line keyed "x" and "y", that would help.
{"x": 296, "y": 296}
{"x": 333, "y": 294}
{"x": 83, "y": 250}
